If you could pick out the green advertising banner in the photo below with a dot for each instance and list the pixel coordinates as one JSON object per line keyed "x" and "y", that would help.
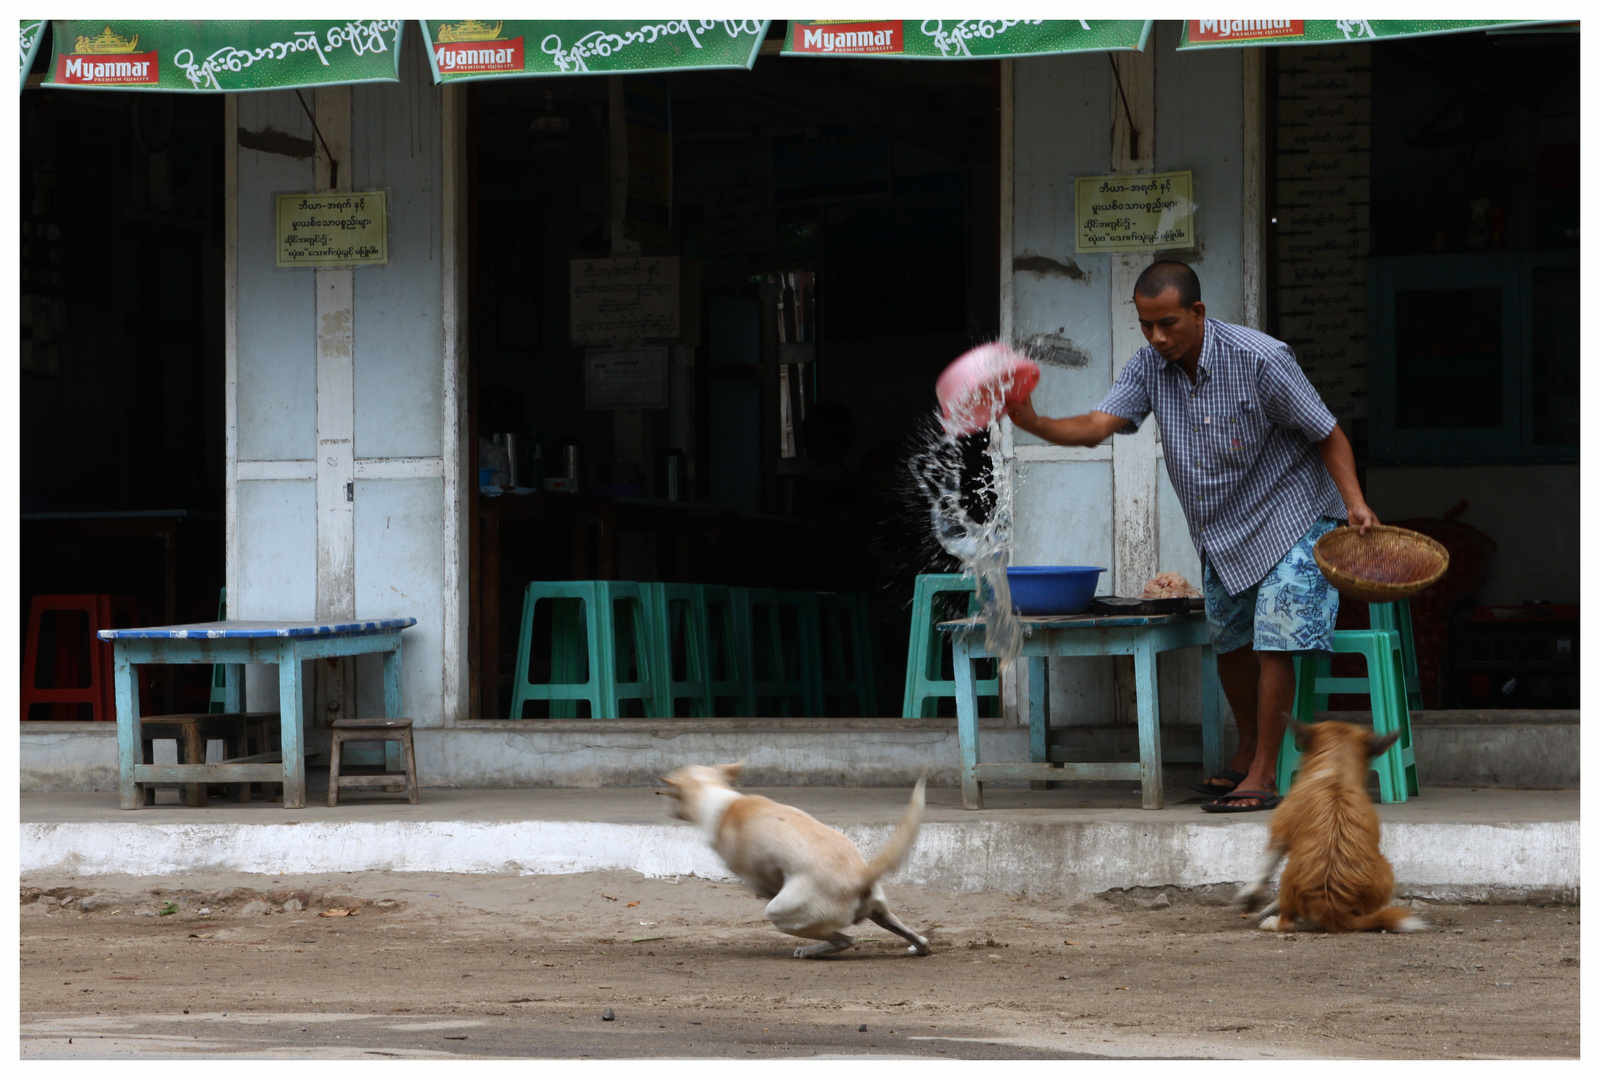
{"x": 962, "y": 39}
{"x": 1213, "y": 33}
{"x": 222, "y": 54}
{"x": 32, "y": 33}
{"x": 506, "y": 48}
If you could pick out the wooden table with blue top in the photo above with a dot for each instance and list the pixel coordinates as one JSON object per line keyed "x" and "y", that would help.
{"x": 236, "y": 642}
{"x": 1139, "y": 636}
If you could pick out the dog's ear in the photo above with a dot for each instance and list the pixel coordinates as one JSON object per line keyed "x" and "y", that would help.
{"x": 1377, "y": 744}
{"x": 733, "y": 770}
{"x": 1300, "y": 732}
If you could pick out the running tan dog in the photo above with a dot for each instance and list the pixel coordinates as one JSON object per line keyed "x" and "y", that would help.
{"x": 816, "y": 880}
{"x": 1336, "y": 878}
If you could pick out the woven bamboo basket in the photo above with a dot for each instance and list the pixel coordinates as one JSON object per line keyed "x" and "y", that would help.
{"x": 1385, "y": 565}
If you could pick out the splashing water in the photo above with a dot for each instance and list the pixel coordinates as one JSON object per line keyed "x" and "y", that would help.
{"x": 970, "y": 510}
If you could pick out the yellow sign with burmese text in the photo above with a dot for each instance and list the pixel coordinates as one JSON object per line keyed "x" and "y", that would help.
{"x": 1146, "y": 212}
{"x": 344, "y": 228}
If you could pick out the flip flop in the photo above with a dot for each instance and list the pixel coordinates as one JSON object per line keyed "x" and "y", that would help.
{"x": 1210, "y": 789}
{"x": 1217, "y": 806}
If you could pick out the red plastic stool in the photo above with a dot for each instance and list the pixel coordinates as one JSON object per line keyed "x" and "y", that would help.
{"x": 81, "y": 673}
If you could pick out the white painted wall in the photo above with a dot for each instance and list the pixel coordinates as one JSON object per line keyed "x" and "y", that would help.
{"x": 395, "y": 145}
{"x": 1063, "y": 112}
{"x": 399, "y": 386}
{"x": 277, "y": 360}
{"x": 1199, "y": 110}
{"x": 272, "y": 527}
{"x": 1066, "y": 312}
{"x": 391, "y": 398}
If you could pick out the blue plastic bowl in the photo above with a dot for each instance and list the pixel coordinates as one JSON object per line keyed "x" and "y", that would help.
{"x": 1052, "y": 590}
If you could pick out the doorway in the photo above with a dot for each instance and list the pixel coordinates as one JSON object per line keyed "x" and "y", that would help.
{"x": 835, "y": 224}
{"x": 121, "y": 388}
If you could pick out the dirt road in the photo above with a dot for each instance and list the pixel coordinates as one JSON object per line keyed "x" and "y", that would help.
{"x": 490, "y": 966}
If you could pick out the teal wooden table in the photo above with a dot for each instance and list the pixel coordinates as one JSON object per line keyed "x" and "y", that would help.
{"x": 236, "y": 642}
{"x": 1142, "y": 637}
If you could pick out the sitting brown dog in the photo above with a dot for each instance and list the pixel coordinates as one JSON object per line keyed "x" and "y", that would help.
{"x": 1336, "y": 878}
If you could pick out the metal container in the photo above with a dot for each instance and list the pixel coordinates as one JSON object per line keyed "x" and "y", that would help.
{"x": 513, "y": 473}
{"x": 569, "y": 465}
{"x": 672, "y": 463}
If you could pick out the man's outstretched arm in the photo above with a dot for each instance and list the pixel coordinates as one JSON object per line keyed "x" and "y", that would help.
{"x": 1090, "y": 429}
{"x": 1340, "y": 462}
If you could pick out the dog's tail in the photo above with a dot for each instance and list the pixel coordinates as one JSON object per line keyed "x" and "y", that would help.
{"x": 1394, "y": 920}
{"x": 900, "y": 844}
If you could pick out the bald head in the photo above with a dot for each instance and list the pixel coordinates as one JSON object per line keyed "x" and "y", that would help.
{"x": 1158, "y": 277}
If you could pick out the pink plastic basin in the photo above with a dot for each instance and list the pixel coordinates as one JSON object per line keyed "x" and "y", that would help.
{"x": 977, "y": 383}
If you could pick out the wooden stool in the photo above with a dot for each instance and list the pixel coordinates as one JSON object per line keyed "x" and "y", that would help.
{"x": 354, "y": 730}
{"x": 192, "y": 731}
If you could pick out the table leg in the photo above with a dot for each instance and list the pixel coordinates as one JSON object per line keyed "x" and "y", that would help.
{"x": 392, "y": 708}
{"x": 967, "y": 723}
{"x": 391, "y": 684}
{"x": 233, "y": 688}
{"x": 130, "y": 741}
{"x": 290, "y": 728}
{"x": 1038, "y": 668}
{"x": 1149, "y": 705}
{"x": 1210, "y": 714}
{"x": 393, "y": 760}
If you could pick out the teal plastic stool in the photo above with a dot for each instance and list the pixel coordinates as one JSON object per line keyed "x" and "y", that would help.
{"x": 1396, "y": 616}
{"x": 729, "y": 689}
{"x": 778, "y": 659}
{"x": 1385, "y": 689}
{"x": 925, "y": 657}
{"x": 756, "y": 619}
{"x": 801, "y": 644}
{"x": 675, "y": 617}
{"x": 845, "y": 669}
{"x": 600, "y": 649}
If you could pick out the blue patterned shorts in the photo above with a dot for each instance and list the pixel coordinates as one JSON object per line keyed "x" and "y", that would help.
{"x": 1290, "y": 610}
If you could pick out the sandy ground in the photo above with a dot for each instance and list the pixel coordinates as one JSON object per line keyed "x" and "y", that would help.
{"x": 499, "y": 966}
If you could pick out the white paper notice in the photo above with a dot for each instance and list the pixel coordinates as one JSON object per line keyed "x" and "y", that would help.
{"x": 620, "y": 300}
{"x": 626, "y": 378}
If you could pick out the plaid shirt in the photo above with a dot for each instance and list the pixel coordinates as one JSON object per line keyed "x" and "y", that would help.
{"x": 1238, "y": 444}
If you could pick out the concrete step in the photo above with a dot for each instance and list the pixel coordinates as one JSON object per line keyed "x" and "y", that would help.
{"x": 1509, "y": 748}
{"x": 1085, "y": 839}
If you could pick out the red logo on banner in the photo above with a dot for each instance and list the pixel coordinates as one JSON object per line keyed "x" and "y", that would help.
{"x": 464, "y": 57}
{"x": 1245, "y": 29}
{"x": 117, "y": 69}
{"x": 854, "y": 37}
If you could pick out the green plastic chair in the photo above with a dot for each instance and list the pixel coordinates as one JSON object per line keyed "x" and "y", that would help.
{"x": 845, "y": 668}
{"x": 596, "y": 627}
{"x": 925, "y": 657}
{"x": 1385, "y": 687}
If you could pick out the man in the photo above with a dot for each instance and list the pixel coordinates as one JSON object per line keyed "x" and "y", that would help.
{"x": 1262, "y": 470}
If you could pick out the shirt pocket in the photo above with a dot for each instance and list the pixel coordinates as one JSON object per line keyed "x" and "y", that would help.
{"x": 1240, "y": 433}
